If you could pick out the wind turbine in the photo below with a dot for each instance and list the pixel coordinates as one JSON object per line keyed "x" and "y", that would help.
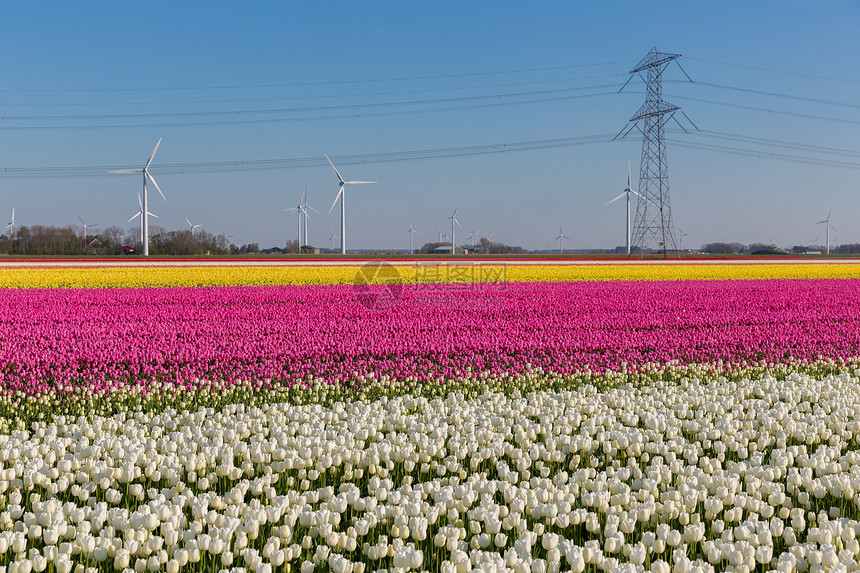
{"x": 561, "y": 236}
{"x": 341, "y": 194}
{"x": 299, "y": 209}
{"x": 473, "y": 237}
{"x": 627, "y": 191}
{"x": 454, "y": 220}
{"x": 682, "y": 234}
{"x": 85, "y": 229}
{"x": 828, "y": 226}
{"x": 412, "y": 232}
{"x": 11, "y": 225}
{"x": 331, "y": 238}
{"x": 140, "y": 214}
{"x": 305, "y": 206}
{"x": 85, "y": 226}
{"x": 191, "y": 225}
{"x": 144, "y": 208}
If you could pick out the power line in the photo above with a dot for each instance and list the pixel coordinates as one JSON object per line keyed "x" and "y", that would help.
{"x": 773, "y": 71}
{"x": 767, "y": 110}
{"x": 297, "y": 163}
{"x": 310, "y": 109}
{"x": 309, "y": 97}
{"x": 356, "y": 115}
{"x": 768, "y": 155}
{"x": 777, "y": 94}
{"x": 325, "y": 83}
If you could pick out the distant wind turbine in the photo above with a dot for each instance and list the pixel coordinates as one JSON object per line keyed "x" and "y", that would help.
{"x": 681, "y": 235}
{"x": 191, "y": 225}
{"x": 84, "y": 225}
{"x": 561, "y": 236}
{"x": 341, "y": 194}
{"x": 628, "y": 191}
{"x": 140, "y": 214}
{"x": 305, "y": 206}
{"x": 454, "y": 221}
{"x": 145, "y": 205}
{"x": 85, "y": 229}
{"x": 474, "y": 238}
{"x": 828, "y": 226}
{"x": 11, "y": 225}
{"x": 412, "y": 232}
{"x": 299, "y": 209}
{"x": 331, "y": 238}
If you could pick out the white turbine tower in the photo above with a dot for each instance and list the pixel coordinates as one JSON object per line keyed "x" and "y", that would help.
{"x": 11, "y": 225}
{"x": 412, "y": 232}
{"x": 299, "y": 209}
{"x": 474, "y": 238}
{"x": 140, "y": 214}
{"x": 304, "y": 207}
{"x": 190, "y": 224}
{"x": 144, "y": 208}
{"x": 84, "y": 225}
{"x": 828, "y": 226}
{"x": 331, "y": 238}
{"x": 341, "y": 194}
{"x": 627, "y": 191}
{"x": 454, "y": 221}
{"x": 561, "y": 236}
{"x": 681, "y": 235}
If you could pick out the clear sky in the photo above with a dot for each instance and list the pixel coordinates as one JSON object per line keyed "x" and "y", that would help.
{"x": 91, "y": 86}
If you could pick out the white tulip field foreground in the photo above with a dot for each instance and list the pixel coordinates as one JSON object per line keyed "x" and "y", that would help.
{"x": 700, "y": 475}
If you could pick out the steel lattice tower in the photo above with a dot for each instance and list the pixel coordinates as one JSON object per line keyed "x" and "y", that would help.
{"x": 652, "y": 226}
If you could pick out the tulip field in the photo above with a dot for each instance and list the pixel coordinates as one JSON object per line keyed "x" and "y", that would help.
{"x": 506, "y": 417}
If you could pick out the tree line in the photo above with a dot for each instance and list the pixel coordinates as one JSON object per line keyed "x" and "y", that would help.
{"x": 50, "y": 240}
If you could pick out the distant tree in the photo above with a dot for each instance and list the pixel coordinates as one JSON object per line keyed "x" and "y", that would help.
{"x": 846, "y": 249}
{"x": 723, "y": 248}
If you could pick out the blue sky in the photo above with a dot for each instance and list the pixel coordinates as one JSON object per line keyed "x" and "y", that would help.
{"x": 92, "y": 85}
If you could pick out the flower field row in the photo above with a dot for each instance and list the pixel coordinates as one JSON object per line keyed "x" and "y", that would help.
{"x": 376, "y": 273}
{"x": 703, "y": 475}
{"x": 81, "y": 345}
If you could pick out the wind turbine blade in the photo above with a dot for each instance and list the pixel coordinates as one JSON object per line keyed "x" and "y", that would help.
{"x": 133, "y": 218}
{"x": 154, "y": 183}
{"x": 312, "y": 209}
{"x": 189, "y": 222}
{"x": 619, "y": 197}
{"x": 79, "y": 219}
{"x": 339, "y": 193}
{"x": 628, "y": 174}
{"x": 153, "y": 154}
{"x": 643, "y": 197}
{"x": 152, "y": 214}
{"x": 127, "y": 171}
{"x": 336, "y": 172}
{"x": 139, "y": 202}
{"x": 359, "y": 182}
{"x": 290, "y": 209}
